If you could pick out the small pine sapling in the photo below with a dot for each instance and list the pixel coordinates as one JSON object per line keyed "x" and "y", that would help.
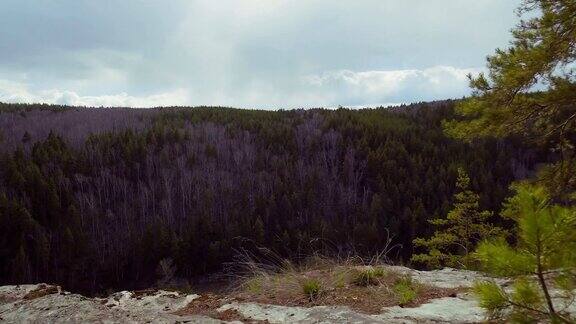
{"x": 456, "y": 235}
{"x": 542, "y": 259}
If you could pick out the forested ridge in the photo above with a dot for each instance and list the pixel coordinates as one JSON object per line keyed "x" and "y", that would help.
{"x": 95, "y": 198}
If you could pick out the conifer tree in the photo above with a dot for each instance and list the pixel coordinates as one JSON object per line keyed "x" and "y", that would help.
{"x": 543, "y": 258}
{"x": 530, "y": 89}
{"x": 458, "y": 233}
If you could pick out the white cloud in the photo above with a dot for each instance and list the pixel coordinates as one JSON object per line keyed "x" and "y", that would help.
{"x": 329, "y": 89}
{"x": 382, "y": 86}
{"x": 20, "y": 92}
{"x": 389, "y": 82}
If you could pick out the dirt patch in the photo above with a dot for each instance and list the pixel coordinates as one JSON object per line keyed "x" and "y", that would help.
{"x": 429, "y": 292}
{"x": 368, "y": 300}
{"x": 208, "y": 305}
{"x": 138, "y": 294}
{"x": 230, "y": 315}
{"x": 41, "y": 291}
{"x": 204, "y": 305}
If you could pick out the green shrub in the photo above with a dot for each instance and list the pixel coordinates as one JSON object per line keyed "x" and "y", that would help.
{"x": 368, "y": 277}
{"x": 254, "y": 285}
{"x": 379, "y": 272}
{"x": 405, "y": 290}
{"x": 340, "y": 279}
{"x": 311, "y": 288}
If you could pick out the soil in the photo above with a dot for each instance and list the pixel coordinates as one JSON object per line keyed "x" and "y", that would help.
{"x": 367, "y": 300}
{"x": 41, "y": 291}
{"x": 207, "y": 305}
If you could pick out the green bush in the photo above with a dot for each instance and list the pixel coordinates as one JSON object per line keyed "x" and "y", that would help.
{"x": 254, "y": 285}
{"x": 368, "y": 277}
{"x": 405, "y": 290}
{"x": 311, "y": 288}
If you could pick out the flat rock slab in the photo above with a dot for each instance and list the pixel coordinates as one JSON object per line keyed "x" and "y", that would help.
{"x": 447, "y": 277}
{"x": 43, "y": 303}
{"x": 64, "y": 307}
{"x": 460, "y": 309}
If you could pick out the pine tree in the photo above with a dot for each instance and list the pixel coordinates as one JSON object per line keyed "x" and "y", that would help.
{"x": 542, "y": 258}
{"x": 509, "y": 100}
{"x": 458, "y": 233}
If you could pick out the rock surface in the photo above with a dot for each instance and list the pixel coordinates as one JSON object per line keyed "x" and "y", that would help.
{"x": 45, "y": 303}
{"x": 41, "y": 304}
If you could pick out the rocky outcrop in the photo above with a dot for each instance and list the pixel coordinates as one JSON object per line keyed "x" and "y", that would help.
{"x": 46, "y": 303}
{"x": 49, "y": 304}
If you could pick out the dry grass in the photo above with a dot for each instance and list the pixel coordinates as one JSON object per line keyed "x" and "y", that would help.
{"x": 324, "y": 282}
{"x": 41, "y": 291}
{"x": 363, "y": 285}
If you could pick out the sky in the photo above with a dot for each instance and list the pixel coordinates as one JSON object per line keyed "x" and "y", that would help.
{"x": 264, "y": 54}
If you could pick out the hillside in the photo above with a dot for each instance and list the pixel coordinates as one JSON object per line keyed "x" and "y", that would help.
{"x": 95, "y": 199}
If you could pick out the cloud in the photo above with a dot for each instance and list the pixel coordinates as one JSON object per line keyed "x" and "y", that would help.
{"x": 355, "y": 88}
{"x": 20, "y": 93}
{"x": 249, "y": 53}
{"x": 328, "y": 89}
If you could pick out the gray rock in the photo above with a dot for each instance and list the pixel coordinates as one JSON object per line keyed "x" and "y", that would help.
{"x": 57, "y": 306}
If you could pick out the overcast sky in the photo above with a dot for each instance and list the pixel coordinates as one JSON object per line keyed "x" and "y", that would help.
{"x": 246, "y": 53}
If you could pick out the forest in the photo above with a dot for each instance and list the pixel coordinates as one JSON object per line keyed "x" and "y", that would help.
{"x": 96, "y": 199}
